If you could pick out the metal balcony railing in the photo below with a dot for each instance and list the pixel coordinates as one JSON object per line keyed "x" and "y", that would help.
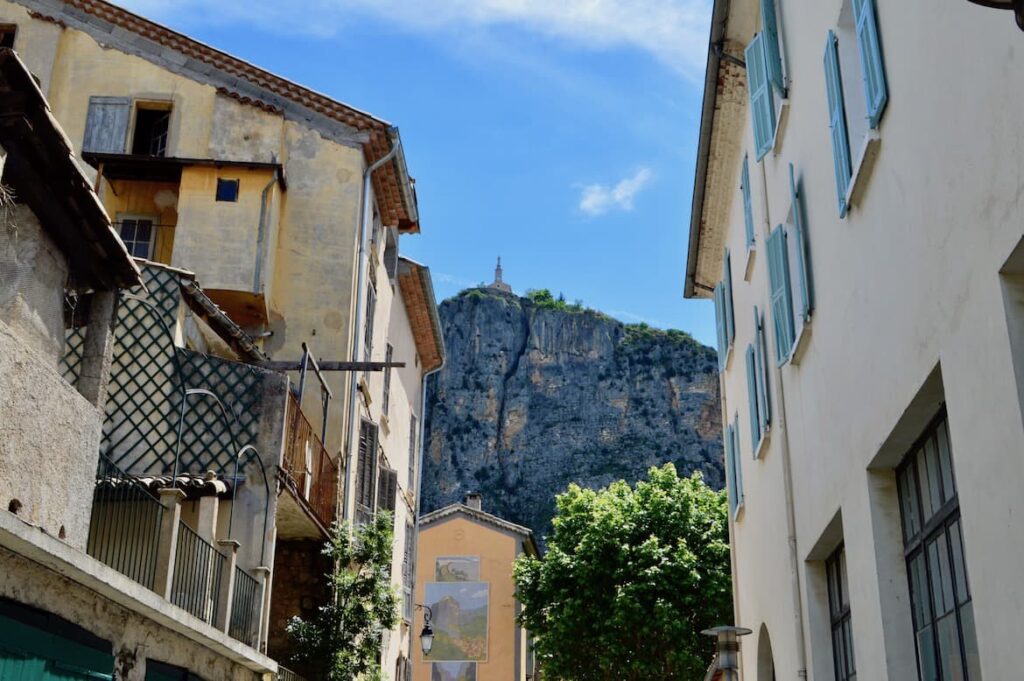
{"x": 124, "y": 531}
{"x": 245, "y": 608}
{"x": 198, "y": 571}
{"x": 307, "y": 463}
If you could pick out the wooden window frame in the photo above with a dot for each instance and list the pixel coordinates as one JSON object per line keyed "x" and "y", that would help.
{"x": 155, "y": 225}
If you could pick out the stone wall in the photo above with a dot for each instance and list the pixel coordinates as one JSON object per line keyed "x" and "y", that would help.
{"x": 300, "y": 587}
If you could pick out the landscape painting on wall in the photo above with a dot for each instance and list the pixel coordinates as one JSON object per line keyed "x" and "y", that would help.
{"x": 453, "y": 671}
{"x": 457, "y": 569}
{"x": 459, "y": 619}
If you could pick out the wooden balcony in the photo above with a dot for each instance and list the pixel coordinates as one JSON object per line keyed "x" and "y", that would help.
{"x": 311, "y": 477}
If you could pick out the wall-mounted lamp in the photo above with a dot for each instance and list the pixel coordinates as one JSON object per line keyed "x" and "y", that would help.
{"x": 1016, "y": 5}
{"x": 427, "y": 635}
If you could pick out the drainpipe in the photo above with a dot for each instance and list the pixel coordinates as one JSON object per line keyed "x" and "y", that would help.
{"x": 364, "y": 213}
{"x": 787, "y": 477}
{"x": 257, "y": 278}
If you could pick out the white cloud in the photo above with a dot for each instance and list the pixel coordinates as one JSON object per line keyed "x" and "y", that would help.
{"x": 598, "y": 199}
{"x": 674, "y": 31}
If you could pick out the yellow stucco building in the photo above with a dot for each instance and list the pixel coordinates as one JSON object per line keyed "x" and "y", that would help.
{"x": 464, "y": 576}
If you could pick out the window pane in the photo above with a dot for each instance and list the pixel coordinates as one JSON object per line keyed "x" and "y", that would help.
{"x": 144, "y": 230}
{"x": 833, "y": 588}
{"x": 941, "y": 584}
{"x": 851, "y": 665}
{"x": 927, "y": 507}
{"x": 837, "y": 651}
{"x": 128, "y": 230}
{"x": 844, "y": 583}
{"x": 919, "y": 592}
{"x": 949, "y": 649}
{"x": 928, "y": 469}
{"x": 970, "y": 643}
{"x": 908, "y": 503}
{"x": 946, "y": 462}
{"x": 963, "y": 593}
{"x": 926, "y": 655}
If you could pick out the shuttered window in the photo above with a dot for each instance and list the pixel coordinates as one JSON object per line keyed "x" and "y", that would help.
{"x": 772, "y": 47}
{"x": 730, "y": 316}
{"x": 387, "y": 490}
{"x": 371, "y": 308}
{"x": 413, "y": 452}
{"x": 748, "y": 209}
{"x": 802, "y": 264}
{"x": 752, "y": 392}
{"x": 366, "y": 467}
{"x": 876, "y": 92}
{"x": 734, "y": 472}
{"x": 837, "y": 121}
{"x": 764, "y": 405}
{"x": 762, "y": 101}
{"x": 720, "y": 328}
{"x": 781, "y": 294}
{"x": 106, "y": 125}
{"x": 408, "y": 571}
{"x": 389, "y": 354}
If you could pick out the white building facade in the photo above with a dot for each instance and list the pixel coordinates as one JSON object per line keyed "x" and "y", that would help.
{"x": 858, "y": 220}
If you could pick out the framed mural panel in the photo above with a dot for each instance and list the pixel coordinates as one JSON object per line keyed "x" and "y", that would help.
{"x": 460, "y": 611}
{"x": 453, "y": 671}
{"x": 457, "y": 569}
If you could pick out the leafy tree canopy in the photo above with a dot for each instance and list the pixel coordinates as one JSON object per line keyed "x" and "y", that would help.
{"x": 343, "y": 641}
{"x": 630, "y": 578}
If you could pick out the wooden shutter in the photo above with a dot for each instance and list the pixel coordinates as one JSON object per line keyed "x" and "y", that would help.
{"x": 772, "y": 51}
{"x": 389, "y": 354}
{"x": 762, "y": 102}
{"x": 872, "y": 66}
{"x": 748, "y": 209}
{"x": 803, "y": 270}
{"x": 387, "y": 490}
{"x": 413, "y": 452}
{"x": 730, "y": 317}
{"x": 106, "y": 125}
{"x": 837, "y": 121}
{"x": 781, "y": 294}
{"x": 723, "y": 345}
{"x": 755, "y": 418}
{"x": 730, "y": 465}
{"x": 737, "y": 463}
{"x": 764, "y": 405}
{"x": 366, "y": 465}
{"x": 371, "y": 308}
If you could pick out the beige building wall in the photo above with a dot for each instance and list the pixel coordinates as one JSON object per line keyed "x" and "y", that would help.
{"x": 909, "y": 313}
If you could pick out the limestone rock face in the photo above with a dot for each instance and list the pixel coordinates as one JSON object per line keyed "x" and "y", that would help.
{"x": 536, "y": 395}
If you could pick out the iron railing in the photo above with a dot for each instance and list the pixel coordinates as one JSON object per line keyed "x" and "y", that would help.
{"x": 245, "y": 608}
{"x": 198, "y": 571}
{"x": 309, "y": 466}
{"x": 124, "y": 530}
{"x": 287, "y": 675}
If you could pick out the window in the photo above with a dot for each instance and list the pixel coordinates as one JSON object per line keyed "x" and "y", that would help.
{"x": 387, "y": 489}
{"x": 724, "y": 312}
{"x": 227, "y": 190}
{"x": 757, "y": 385}
{"x": 138, "y": 235}
{"x": 413, "y": 451}
{"x": 839, "y": 614}
{"x": 940, "y": 593}
{"x": 391, "y": 255}
{"x": 735, "y": 472}
{"x": 854, "y": 109}
{"x": 788, "y": 261}
{"x": 765, "y": 80}
{"x": 159, "y": 671}
{"x": 366, "y": 471}
{"x": 748, "y": 210}
{"x": 7, "y": 34}
{"x": 408, "y": 571}
{"x": 386, "y": 402}
{"x": 371, "y": 307}
{"x": 151, "y": 127}
{"x": 106, "y": 125}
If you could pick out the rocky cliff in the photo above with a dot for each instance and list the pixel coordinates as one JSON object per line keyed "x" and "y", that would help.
{"x": 538, "y": 393}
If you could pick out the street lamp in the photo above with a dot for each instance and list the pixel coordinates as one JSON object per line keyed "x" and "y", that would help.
{"x": 727, "y": 645}
{"x": 427, "y": 635}
{"x": 1016, "y": 5}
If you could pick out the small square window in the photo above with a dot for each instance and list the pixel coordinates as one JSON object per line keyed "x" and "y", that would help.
{"x": 7, "y": 35}
{"x": 227, "y": 190}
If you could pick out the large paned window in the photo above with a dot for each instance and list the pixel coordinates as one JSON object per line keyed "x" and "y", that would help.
{"x": 732, "y": 462}
{"x": 724, "y": 314}
{"x": 765, "y": 80}
{"x": 947, "y": 648}
{"x": 839, "y": 614}
{"x": 789, "y": 268}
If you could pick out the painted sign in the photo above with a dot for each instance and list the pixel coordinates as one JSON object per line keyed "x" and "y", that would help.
{"x": 459, "y": 620}
{"x": 457, "y": 569}
{"x": 453, "y": 671}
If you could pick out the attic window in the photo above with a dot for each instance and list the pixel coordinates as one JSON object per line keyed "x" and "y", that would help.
{"x": 7, "y": 34}
{"x": 227, "y": 190}
{"x": 152, "y": 122}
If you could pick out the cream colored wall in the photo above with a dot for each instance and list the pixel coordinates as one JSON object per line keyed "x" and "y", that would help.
{"x": 908, "y": 281}
{"x": 497, "y": 550}
{"x": 36, "y": 41}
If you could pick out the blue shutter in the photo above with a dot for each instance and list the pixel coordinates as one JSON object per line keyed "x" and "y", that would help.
{"x": 762, "y": 103}
{"x": 876, "y": 92}
{"x": 782, "y": 295}
{"x": 730, "y": 317}
{"x": 737, "y": 462}
{"x": 764, "y": 406}
{"x": 730, "y": 469}
{"x": 772, "y": 53}
{"x": 837, "y": 121}
{"x": 803, "y": 270}
{"x": 748, "y": 209}
{"x": 723, "y": 346}
{"x": 755, "y": 419}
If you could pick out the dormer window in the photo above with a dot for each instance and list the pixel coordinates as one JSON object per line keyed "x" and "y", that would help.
{"x": 152, "y": 122}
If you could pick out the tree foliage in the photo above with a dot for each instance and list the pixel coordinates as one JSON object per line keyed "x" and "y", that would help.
{"x": 343, "y": 641}
{"x": 630, "y": 578}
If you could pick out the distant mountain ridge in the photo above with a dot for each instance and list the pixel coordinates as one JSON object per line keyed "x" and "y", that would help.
{"x": 538, "y": 393}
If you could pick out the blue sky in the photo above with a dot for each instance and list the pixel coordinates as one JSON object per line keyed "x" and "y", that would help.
{"x": 559, "y": 134}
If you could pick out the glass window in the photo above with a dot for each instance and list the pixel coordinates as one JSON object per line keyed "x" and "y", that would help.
{"x": 947, "y": 648}
{"x": 227, "y": 190}
{"x": 839, "y": 612}
{"x": 137, "y": 235}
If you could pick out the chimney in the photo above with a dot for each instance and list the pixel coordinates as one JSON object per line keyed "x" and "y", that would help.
{"x": 475, "y": 501}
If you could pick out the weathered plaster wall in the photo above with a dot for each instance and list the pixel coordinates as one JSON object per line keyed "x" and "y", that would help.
{"x": 49, "y": 440}
{"x": 36, "y": 42}
{"x": 133, "y": 638}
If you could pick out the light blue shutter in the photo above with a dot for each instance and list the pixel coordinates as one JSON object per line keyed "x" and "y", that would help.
{"x": 837, "y": 121}
{"x": 730, "y": 317}
{"x": 737, "y": 462}
{"x": 782, "y": 295}
{"x": 764, "y": 405}
{"x": 748, "y": 210}
{"x": 723, "y": 344}
{"x": 803, "y": 270}
{"x": 876, "y": 92}
{"x": 755, "y": 419}
{"x": 730, "y": 466}
{"x": 106, "y": 124}
{"x": 772, "y": 53}
{"x": 762, "y": 103}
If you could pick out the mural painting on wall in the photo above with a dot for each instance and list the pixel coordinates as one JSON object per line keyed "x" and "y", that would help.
{"x": 457, "y": 569}
{"x": 459, "y": 619}
{"x": 453, "y": 671}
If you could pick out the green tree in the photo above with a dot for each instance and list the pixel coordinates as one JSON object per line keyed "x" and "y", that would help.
{"x": 630, "y": 578}
{"x": 343, "y": 641}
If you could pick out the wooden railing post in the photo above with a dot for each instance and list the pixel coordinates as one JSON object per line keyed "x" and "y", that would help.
{"x": 225, "y": 598}
{"x": 170, "y": 499}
